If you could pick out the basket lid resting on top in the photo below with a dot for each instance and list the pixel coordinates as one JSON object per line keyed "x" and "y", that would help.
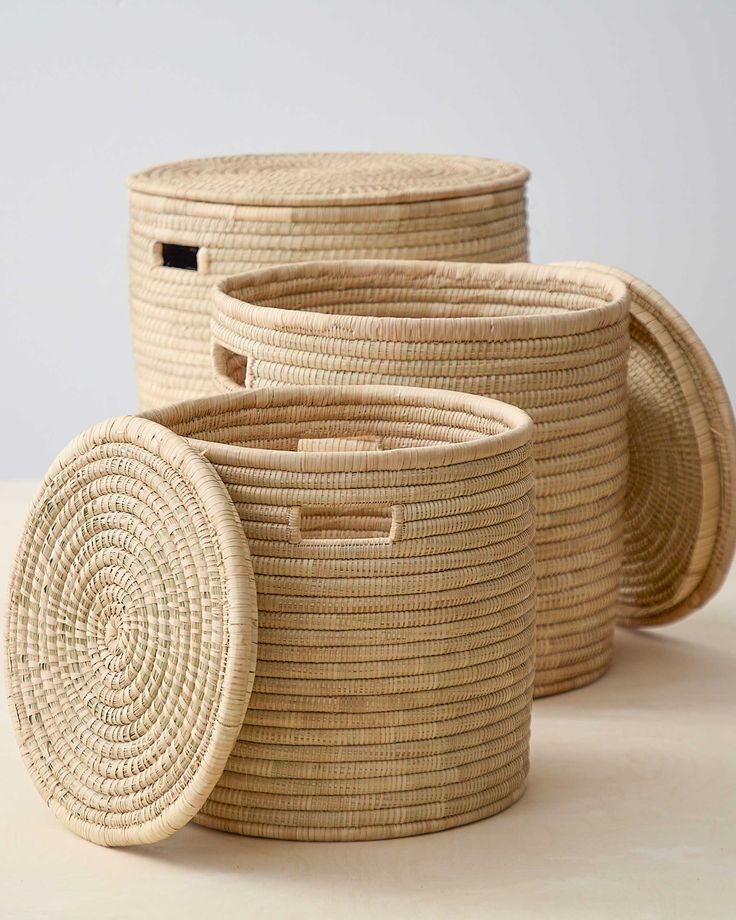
{"x": 680, "y": 506}
{"x": 321, "y": 179}
{"x": 131, "y": 633}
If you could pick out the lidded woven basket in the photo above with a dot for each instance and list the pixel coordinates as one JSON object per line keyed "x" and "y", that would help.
{"x": 553, "y": 341}
{"x": 195, "y": 222}
{"x": 388, "y": 533}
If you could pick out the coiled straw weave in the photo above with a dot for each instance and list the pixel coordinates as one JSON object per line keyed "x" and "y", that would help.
{"x": 680, "y": 530}
{"x": 553, "y": 341}
{"x": 391, "y": 534}
{"x": 130, "y": 633}
{"x": 252, "y": 211}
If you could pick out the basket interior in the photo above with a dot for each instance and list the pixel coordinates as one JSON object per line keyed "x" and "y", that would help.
{"x": 434, "y": 293}
{"x": 387, "y": 426}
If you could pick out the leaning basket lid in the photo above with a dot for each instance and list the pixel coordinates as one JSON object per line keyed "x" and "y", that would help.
{"x": 323, "y": 179}
{"x": 680, "y": 507}
{"x": 131, "y": 633}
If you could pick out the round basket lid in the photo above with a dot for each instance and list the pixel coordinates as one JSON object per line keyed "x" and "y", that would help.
{"x": 317, "y": 179}
{"x": 130, "y": 634}
{"x": 680, "y": 528}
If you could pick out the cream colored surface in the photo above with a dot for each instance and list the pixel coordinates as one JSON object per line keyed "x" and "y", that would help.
{"x": 630, "y": 812}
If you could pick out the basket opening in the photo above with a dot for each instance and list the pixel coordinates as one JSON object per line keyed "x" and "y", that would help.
{"x": 287, "y": 428}
{"x": 352, "y": 426}
{"x": 405, "y": 293}
{"x": 173, "y": 255}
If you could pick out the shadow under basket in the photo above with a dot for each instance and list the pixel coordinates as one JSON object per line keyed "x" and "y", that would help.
{"x": 303, "y": 612}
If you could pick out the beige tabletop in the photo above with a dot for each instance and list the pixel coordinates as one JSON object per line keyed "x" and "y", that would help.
{"x": 630, "y": 813}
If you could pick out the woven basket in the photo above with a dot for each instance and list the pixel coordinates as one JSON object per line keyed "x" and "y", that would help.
{"x": 196, "y": 222}
{"x": 391, "y": 537}
{"x": 551, "y": 340}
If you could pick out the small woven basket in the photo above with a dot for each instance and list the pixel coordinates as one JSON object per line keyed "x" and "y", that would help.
{"x": 391, "y": 538}
{"x": 196, "y": 222}
{"x": 553, "y": 341}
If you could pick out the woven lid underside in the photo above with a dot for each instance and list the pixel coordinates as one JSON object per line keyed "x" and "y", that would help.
{"x": 314, "y": 179}
{"x": 130, "y": 635}
{"x": 680, "y": 514}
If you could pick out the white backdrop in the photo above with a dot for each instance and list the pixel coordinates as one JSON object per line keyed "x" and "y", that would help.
{"x": 623, "y": 111}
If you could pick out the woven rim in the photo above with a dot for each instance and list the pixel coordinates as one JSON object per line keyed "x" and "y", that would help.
{"x": 328, "y": 178}
{"x": 356, "y": 220}
{"x": 130, "y": 635}
{"x": 674, "y": 384}
{"x": 514, "y": 429}
{"x": 244, "y": 297}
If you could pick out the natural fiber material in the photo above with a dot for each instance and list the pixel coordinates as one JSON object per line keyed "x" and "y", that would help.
{"x": 319, "y": 179}
{"x": 130, "y": 633}
{"x": 681, "y": 503}
{"x": 552, "y": 341}
{"x": 230, "y": 214}
{"x": 391, "y": 535}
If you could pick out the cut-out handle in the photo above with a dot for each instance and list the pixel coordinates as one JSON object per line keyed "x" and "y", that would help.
{"x": 359, "y": 525}
{"x": 175, "y": 256}
{"x": 182, "y": 256}
{"x": 362, "y": 525}
{"x": 229, "y": 370}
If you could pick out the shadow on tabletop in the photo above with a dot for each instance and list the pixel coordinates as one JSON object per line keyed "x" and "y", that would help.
{"x": 659, "y": 669}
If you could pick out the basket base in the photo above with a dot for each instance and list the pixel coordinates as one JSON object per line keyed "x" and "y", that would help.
{"x": 571, "y": 683}
{"x": 347, "y": 834}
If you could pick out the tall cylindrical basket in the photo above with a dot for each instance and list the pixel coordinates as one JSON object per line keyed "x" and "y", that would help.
{"x": 386, "y": 535}
{"x": 553, "y": 341}
{"x": 198, "y": 221}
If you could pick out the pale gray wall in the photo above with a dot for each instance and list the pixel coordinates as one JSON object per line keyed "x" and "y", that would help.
{"x": 624, "y": 112}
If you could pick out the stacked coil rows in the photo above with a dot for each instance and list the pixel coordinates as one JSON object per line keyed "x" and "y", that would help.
{"x": 238, "y": 213}
{"x": 391, "y": 534}
{"x": 552, "y": 341}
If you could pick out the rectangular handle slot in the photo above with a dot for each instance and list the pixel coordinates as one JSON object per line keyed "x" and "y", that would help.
{"x": 358, "y": 524}
{"x": 174, "y": 255}
{"x": 230, "y": 370}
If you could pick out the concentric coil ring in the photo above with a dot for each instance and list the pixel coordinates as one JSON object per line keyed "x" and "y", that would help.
{"x": 130, "y": 635}
{"x": 328, "y": 178}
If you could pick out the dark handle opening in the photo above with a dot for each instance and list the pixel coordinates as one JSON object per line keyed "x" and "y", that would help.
{"x": 174, "y": 255}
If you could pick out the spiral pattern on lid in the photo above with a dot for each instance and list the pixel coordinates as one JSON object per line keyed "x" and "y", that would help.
{"x": 328, "y": 178}
{"x": 680, "y": 525}
{"x": 130, "y": 635}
